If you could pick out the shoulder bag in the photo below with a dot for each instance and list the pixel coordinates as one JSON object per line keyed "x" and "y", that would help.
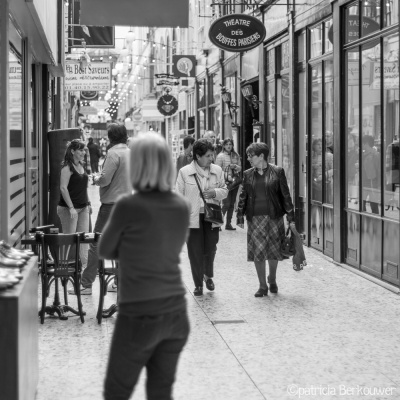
{"x": 236, "y": 179}
{"x": 212, "y": 212}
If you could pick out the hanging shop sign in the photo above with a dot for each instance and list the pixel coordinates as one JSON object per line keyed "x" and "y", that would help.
{"x": 167, "y": 80}
{"x": 94, "y": 36}
{"x": 167, "y": 105}
{"x": 93, "y": 77}
{"x": 237, "y": 32}
{"x": 184, "y": 66}
{"x": 89, "y": 95}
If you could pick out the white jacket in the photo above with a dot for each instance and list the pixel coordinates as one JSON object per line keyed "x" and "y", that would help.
{"x": 187, "y": 186}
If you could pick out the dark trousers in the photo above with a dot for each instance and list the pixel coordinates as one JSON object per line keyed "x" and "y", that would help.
{"x": 154, "y": 342}
{"x": 202, "y": 246}
{"x": 90, "y": 272}
{"x": 95, "y": 166}
{"x": 228, "y": 205}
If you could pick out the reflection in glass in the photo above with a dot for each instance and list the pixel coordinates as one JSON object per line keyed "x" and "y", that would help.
{"x": 391, "y": 149}
{"x": 371, "y": 129}
{"x": 15, "y": 99}
{"x": 316, "y": 41}
{"x": 215, "y": 89}
{"x": 328, "y": 43}
{"x": 271, "y": 62}
{"x": 316, "y": 132}
{"x": 352, "y": 24}
{"x": 391, "y": 12}
{"x": 353, "y": 129}
{"x": 271, "y": 121}
{"x": 328, "y": 132}
{"x": 371, "y": 16}
{"x": 285, "y": 57}
{"x": 286, "y": 131}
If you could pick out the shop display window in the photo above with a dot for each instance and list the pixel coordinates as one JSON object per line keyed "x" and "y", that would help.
{"x": 15, "y": 97}
{"x": 391, "y": 12}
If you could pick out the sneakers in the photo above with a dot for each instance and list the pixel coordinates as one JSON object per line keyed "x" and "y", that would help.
{"x": 84, "y": 291}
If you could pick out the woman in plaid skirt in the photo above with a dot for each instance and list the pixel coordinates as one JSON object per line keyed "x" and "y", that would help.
{"x": 264, "y": 199}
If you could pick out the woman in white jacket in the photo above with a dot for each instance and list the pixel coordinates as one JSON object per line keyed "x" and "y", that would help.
{"x": 203, "y": 236}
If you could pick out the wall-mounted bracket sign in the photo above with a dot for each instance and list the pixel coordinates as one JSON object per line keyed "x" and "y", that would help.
{"x": 167, "y": 105}
{"x": 237, "y": 32}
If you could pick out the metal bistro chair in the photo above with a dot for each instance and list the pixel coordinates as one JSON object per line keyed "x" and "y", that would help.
{"x": 65, "y": 266}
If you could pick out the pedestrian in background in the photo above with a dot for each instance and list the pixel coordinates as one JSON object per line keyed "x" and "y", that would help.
{"x": 264, "y": 200}
{"x": 229, "y": 161}
{"x": 203, "y": 236}
{"x": 211, "y": 137}
{"x": 113, "y": 182}
{"x": 370, "y": 175}
{"x": 95, "y": 154}
{"x": 186, "y": 157}
{"x": 146, "y": 232}
{"x": 74, "y": 206}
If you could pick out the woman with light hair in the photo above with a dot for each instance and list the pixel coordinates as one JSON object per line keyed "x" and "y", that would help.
{"x": 146, "y": 232}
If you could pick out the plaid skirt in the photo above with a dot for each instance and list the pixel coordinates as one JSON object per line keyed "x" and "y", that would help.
{"x": 264, "y": 237}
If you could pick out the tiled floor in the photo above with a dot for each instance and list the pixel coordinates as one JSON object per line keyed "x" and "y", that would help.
{"x": 328, "y": 334}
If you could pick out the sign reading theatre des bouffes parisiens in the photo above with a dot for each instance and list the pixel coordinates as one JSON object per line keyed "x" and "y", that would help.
{"x": 237, "y": 32}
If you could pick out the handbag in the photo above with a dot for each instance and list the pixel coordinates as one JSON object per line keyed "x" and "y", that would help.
{"x": 212, "y": 212}
{"x": 288, "y": 245}
{"x": 236, "y": 179}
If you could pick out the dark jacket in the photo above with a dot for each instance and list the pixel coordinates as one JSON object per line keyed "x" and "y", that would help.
{"x": 94, "y": 151}
{"x": 276, "y": 189}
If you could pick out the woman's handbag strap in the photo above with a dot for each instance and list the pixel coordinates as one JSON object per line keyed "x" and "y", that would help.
{"x": 198, "y": 185}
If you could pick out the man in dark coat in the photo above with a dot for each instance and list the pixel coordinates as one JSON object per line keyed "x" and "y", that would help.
{"x": 94, "y": 151}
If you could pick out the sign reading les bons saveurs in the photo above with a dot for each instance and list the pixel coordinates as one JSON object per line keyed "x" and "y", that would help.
{"x": 237, "y": 32}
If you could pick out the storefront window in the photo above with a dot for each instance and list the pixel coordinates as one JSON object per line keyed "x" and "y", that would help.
{"x": 215, "y": 88}
{"x": 286, "y": 131}
{"x": 391, "y": 12}
{"x": 328, "y": 29}
{"x": 15, "y": 98}
{"x": 271, "y": 121}
{"x": 329, "y": 151}
{"x": 391, "y": 149}
{"x": 371, "y": 129}
{"x": 353, "y": 129}
{"x": 352, "y": 24}
{"x": 371, "y": 17}
{"x": 316, "y": 41}
{"x": 285, "y": 56}
{"x": 215, "y": 119}
{"x": 271, "y": 62}
{"x": 301, "y": 48}
{"x": 316, "y": 133}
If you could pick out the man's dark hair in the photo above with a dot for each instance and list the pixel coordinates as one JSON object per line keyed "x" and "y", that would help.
{"x": 257, "y": 149}
{"x": 369, "y": 140}
{"x": 200, "y": 147}
{"x": 90, "y": 140}
{"x": 188, "y": 140}
{"x": 117, "y": 133}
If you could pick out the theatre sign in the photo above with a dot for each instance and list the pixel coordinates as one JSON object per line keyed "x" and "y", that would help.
{"x": 92, "y": 77}
{"x": 237, "y": 32}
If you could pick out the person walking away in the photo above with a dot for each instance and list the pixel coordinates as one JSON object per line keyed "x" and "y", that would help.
{"x": 370, "y": 174}
{"x": 146, "y": 232}
{"x": 95, "y": 153}
{"x": 113, "y": 182}
{"x": 229, "y": 159}
{"x": 203, "y": 236}
{"x": 74, "y": 206}
{"x": 264, "y": 200}
{"x": 186, "y": 157}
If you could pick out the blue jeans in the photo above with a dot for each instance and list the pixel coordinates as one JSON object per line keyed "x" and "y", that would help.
{"x": 90, "y": 272}
{"x": 154, "y": 342}
{"x": 72, "y": 225}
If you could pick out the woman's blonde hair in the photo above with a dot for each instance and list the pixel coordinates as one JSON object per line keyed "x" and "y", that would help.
{"x": 151, "y": 164}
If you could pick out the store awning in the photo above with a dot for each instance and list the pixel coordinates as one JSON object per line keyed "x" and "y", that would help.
{"x": 150, "y": 112}
{"x": 151, "y": 13}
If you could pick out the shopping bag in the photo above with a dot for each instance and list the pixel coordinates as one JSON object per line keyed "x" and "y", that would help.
{"x": 299, "y": 258}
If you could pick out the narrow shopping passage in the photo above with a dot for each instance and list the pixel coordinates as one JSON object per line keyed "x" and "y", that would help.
{"x": 326, "y": 328}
